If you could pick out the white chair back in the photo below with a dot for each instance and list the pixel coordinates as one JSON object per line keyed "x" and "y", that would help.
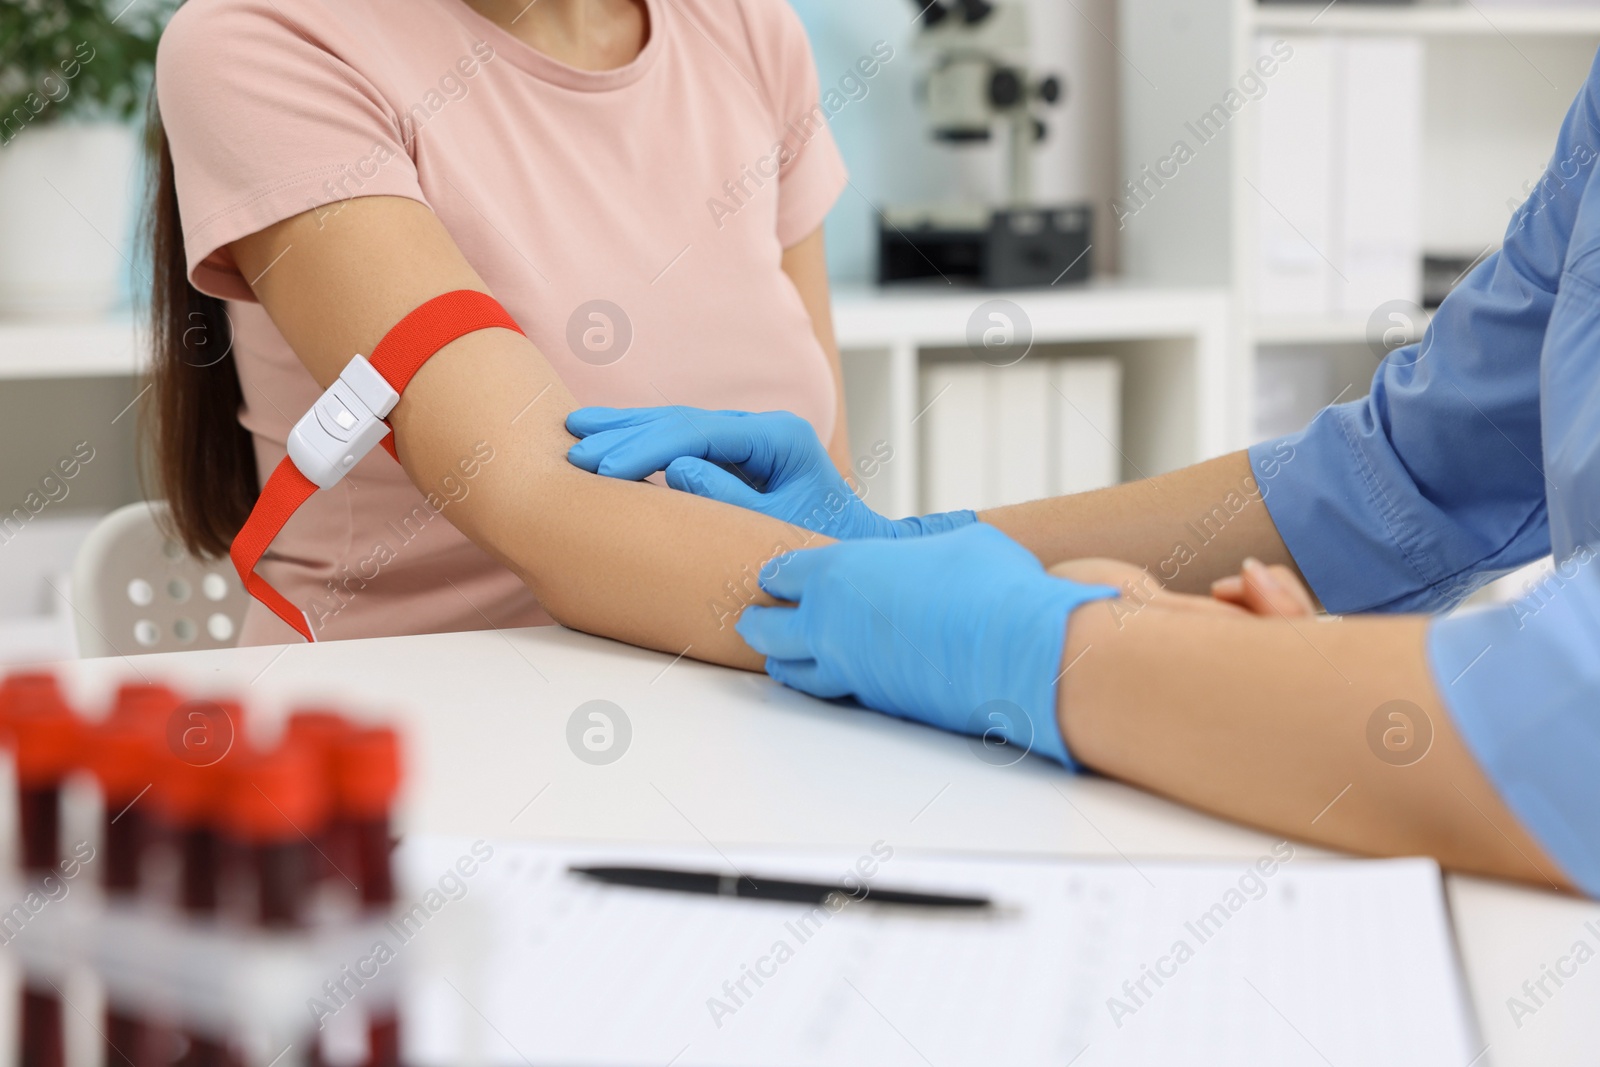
{"x": 136, "y": 590}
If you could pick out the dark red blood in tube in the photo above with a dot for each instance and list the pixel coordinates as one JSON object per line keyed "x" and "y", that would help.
{"x": 123, "y": 759}
{"x": 276, "y": 801}
{"x": 124, "y": 756}
{"x": 187, "y": 795}
{"x": 367, "y": 778}
{"x": 321, "y": 731}
{"x": 45, "y": 741}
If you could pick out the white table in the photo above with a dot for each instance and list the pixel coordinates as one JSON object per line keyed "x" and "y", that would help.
{"x": 720, "y": 757}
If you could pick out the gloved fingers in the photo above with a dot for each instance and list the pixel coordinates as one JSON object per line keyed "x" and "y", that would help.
{"x": 634, "y": 452}
{"x": 587, "y": 420}
{"x": 785, "y": 576}
{"x": 807, "y": 676}
{"x": 592, "y": 420}
{"x": 691, "y": 474}
{"x": 777, "y": 633}
{"x": 637, "y": 451}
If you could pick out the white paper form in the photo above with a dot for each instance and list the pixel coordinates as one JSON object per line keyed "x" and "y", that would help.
{"x": 1086, "y": 962}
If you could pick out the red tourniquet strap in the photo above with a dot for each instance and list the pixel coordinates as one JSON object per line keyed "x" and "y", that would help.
{"x": 280, "y": 498}
{"x": 398, "y": 357}
{"x": 415, "y": 338}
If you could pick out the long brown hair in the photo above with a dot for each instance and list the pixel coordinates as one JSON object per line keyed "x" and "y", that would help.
{"x": 202, "y": 459}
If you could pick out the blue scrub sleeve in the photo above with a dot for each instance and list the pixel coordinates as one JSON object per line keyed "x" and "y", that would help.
{"x": 1521, "y": 682}
{"x": 1433, "y": 484}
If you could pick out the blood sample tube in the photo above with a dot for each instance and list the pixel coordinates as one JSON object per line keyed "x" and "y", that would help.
{"x": 45, "y": 740}
{"x": 320, "y": 732}
{"x": 275, "y": 801}
{"x": 187, "y": 796}
{"x": 123, "y": 754}
{"x": 277, "y": 804}
{"x": 367, "y": 780}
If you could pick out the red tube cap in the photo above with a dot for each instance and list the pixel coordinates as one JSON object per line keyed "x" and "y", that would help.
{"x": 277, "y": 796}
{"x": 367, "y": 772}
{"x": 147, "y": 705}
{"x": 48, "y": 744}
{"x": 201, "y": 741}
{"x": 31, "y": 692}
{"x": 125, "y": 760}
{"x": 321, "y": 731}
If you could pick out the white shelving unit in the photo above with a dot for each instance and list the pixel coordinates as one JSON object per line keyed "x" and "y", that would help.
{"x": 1182, "y": 319}
{"x": 1497, "y": 81}
{"x": 93, "y": 348}
{"x": 1181, "y": 396}
{"x": 1435, "y": 20}
{"x": 1182, "y": 399}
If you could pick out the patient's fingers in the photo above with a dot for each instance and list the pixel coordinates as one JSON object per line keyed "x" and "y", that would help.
{"x": 1196, "y": 605}
{"x": 1112, "y": 572}
{"x": 1286, "y": 578}
{"x": 1138, "y": 586}
{"x": 1270, "y": 591}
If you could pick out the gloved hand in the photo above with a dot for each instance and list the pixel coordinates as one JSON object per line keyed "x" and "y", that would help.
{"x": 769, "y": 462}
{"x": 962, "y": 630}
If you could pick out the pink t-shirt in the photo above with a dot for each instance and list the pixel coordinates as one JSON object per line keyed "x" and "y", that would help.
{"x": 657, "y": 190}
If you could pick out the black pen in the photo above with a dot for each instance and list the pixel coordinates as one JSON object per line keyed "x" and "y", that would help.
{"x": 735, "y": 885}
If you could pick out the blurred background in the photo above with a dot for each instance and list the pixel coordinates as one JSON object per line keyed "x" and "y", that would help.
{"x": 1249, "y": 204}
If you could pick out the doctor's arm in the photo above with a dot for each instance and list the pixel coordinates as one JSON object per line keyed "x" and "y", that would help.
{"x": 1330, "y": 732}
{"x": 1406, "y": 500}
{"x": 663, "y": 570}
{"x": 1187, "y": 529}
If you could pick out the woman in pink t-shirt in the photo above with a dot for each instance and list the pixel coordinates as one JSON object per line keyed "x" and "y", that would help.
{"x": 641, "y": 183}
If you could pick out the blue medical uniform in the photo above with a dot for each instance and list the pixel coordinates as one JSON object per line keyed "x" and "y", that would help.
{"x": 1478, "y": 451}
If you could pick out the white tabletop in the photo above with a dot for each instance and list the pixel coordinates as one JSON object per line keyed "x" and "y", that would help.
{"x": 720, "y": 757}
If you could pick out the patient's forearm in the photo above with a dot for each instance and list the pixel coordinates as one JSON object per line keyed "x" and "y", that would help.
{"x": 628, "y": 560}
{"x": 1267, "y": 722}
{"x": 1188, "y": 528}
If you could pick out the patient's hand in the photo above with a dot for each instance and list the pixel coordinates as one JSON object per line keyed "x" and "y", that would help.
{"x": 1273, "y": 592}
{"x": 1264, "y": 590}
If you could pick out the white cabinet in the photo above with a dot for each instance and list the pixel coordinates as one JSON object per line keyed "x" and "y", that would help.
{"x": 1184, "y": 390}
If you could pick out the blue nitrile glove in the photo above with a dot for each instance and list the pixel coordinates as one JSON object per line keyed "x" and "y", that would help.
{"x": 962, "y": 630}
{"x": 769, "y": 462}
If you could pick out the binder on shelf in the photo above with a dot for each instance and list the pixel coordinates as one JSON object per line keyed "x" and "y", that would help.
{"x": 993, "y": 436}
{"x": 1087, "y": 396}
{"x": 1339, "y": 211}
{"x": 1294, "y": 195}
{"x": 1378, "y": 183}
{"x": 955, "y": 426}
{"x": 1020, "y": 415}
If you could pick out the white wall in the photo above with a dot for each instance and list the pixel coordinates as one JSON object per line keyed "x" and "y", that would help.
{"x": 1492, "y": 113}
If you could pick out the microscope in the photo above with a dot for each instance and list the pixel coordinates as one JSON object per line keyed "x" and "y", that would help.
{"x": 977, "y": 82}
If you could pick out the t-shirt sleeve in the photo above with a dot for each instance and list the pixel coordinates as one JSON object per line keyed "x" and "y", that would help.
{"x": 267, "y": 118}
{"x": 812, "y": 174}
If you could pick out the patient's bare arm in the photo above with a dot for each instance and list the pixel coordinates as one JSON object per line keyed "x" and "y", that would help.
{"x": 628, "y": 560}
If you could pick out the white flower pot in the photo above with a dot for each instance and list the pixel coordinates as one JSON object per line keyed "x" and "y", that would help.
{"x": 66, "y": 212}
